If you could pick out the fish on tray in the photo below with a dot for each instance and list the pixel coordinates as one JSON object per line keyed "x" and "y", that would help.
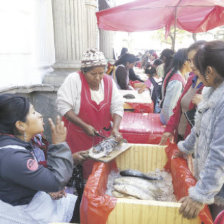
{"x": 136, "y": 173}
{"x": 105, "y": 147}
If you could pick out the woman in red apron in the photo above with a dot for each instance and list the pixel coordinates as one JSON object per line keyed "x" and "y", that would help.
{"x": 89, "y": 101}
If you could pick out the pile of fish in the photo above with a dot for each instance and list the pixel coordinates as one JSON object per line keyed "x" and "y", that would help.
{"x": 105, "y": 147}
{"x": 137, "y": 185}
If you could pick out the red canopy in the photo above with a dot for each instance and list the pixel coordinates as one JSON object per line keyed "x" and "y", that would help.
{"x": 142, "y": 15}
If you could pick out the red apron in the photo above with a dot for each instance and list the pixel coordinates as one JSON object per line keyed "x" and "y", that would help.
{"x": 96, "y": 115}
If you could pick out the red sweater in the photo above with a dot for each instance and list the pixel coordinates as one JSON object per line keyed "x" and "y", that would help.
{"x": 172, "y": 124}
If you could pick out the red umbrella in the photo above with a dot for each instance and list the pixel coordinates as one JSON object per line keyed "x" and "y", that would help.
{"x": 142, "y": 15}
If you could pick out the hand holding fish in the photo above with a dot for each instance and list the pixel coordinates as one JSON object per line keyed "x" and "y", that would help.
{"x": 116, "y": 134}
{"x": 190, "y": 208}
{"x": 80, "y": 157}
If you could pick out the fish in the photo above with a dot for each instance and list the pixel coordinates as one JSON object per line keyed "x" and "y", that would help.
{"x": 136, "y": 173}
{"x": 139, "y": 183}
{"x": 120, "y": 195}
{"x": 133, "y": 191}
{"x": 129, "y": 96}
{"x": 104, "y": 148}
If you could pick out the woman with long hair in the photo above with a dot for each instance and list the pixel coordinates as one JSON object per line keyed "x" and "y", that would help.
{"x": 124, "y": 64}
{"x": 178, "y": 127}
{"x": 167, "y": 57}
{"x": 173, "y": 84}
{"x": 206, "y": 139}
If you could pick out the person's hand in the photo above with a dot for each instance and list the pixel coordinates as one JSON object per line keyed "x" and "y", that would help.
{"x": 197, "y": 98}
{"x": 179, "y": 154}
{"x": 141, "y": 90}
{"x": 165, "y": 137}
{"x": 80, "y": 157}
{"x": 58, "y": 131}
{"x": 116, "y": 134}
{"x": 89, "y": 130}
{"x": 57, "y": 195}
{"x": 190, "y": 208}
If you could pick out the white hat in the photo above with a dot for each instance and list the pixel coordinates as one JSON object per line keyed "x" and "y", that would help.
{"x": 92, "y": 58}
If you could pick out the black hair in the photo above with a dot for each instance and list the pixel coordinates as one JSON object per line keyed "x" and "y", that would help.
{"x": 126, "y": 58}
{"x": 151, "y": 51}
{"x": 87, "y": 69}
{"x": 151, "y": 71}
{"x": 13, "y": 108}
{"x": 211, "y": 54}
{"x": 196, "y": 45}
{"x": 178, "y": 61}
{"x": 168, "y": 55}
{"x": 124, "y": 50}
{"x": 157, "y": 62}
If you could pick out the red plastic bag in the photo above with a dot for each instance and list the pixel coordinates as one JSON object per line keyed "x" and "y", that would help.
{"x": 96, "y": 205}
{"x": 183, "y": 179}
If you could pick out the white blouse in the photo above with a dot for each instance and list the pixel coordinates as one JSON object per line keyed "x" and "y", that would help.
{"x": 69, "y": 96}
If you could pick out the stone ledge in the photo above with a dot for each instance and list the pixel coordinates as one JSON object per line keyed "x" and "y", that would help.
{"x": 30, "y": 88}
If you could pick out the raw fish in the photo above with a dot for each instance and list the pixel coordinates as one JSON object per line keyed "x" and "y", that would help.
{"x": 139, "y": 183}
{"x": 133, "y": 191}
{"x": 136, "y": 173}
{"x": 120, "y": 195}
{"x": 104, "y": 148}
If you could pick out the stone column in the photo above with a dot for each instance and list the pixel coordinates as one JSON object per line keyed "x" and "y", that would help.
{"x": 91, "y": 23}
{"x": 69, "y": 32}
{"x": 75, "y": 30}
{"x": 106, "y": 43}
{"x": 106, "y": 37}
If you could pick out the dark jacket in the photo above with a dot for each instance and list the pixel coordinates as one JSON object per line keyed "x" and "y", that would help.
{"x": 133, "y": 76}
{"x": 21, "y": 176}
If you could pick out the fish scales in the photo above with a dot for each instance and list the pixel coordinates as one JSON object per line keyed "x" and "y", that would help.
{"x": 133, "y": 191}
{"x": 138, "y": 182}
{"x": 121, "y": 195}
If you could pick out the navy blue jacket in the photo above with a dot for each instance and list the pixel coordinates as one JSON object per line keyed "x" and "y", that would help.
{"x": 20, "y": 174}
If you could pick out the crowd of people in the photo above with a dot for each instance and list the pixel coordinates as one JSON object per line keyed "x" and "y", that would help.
{"x": 186, "y": 88}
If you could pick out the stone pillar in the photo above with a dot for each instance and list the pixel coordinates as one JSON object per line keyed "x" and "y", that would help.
{"x": 106, "y": 41}
{"x": 75, "y": 30}
{"x": 91, "y": 23}
{"x": 69, "y": 32}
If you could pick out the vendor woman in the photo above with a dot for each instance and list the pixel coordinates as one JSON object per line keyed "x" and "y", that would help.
{"x": 89, "y": 100}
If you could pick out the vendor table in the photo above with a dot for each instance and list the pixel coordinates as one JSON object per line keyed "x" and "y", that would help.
{"x": 142, "y": 103}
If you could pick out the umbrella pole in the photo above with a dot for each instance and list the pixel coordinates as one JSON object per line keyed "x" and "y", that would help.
{"x": 175, "y": 26}
{"x": 175, "y": 30}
